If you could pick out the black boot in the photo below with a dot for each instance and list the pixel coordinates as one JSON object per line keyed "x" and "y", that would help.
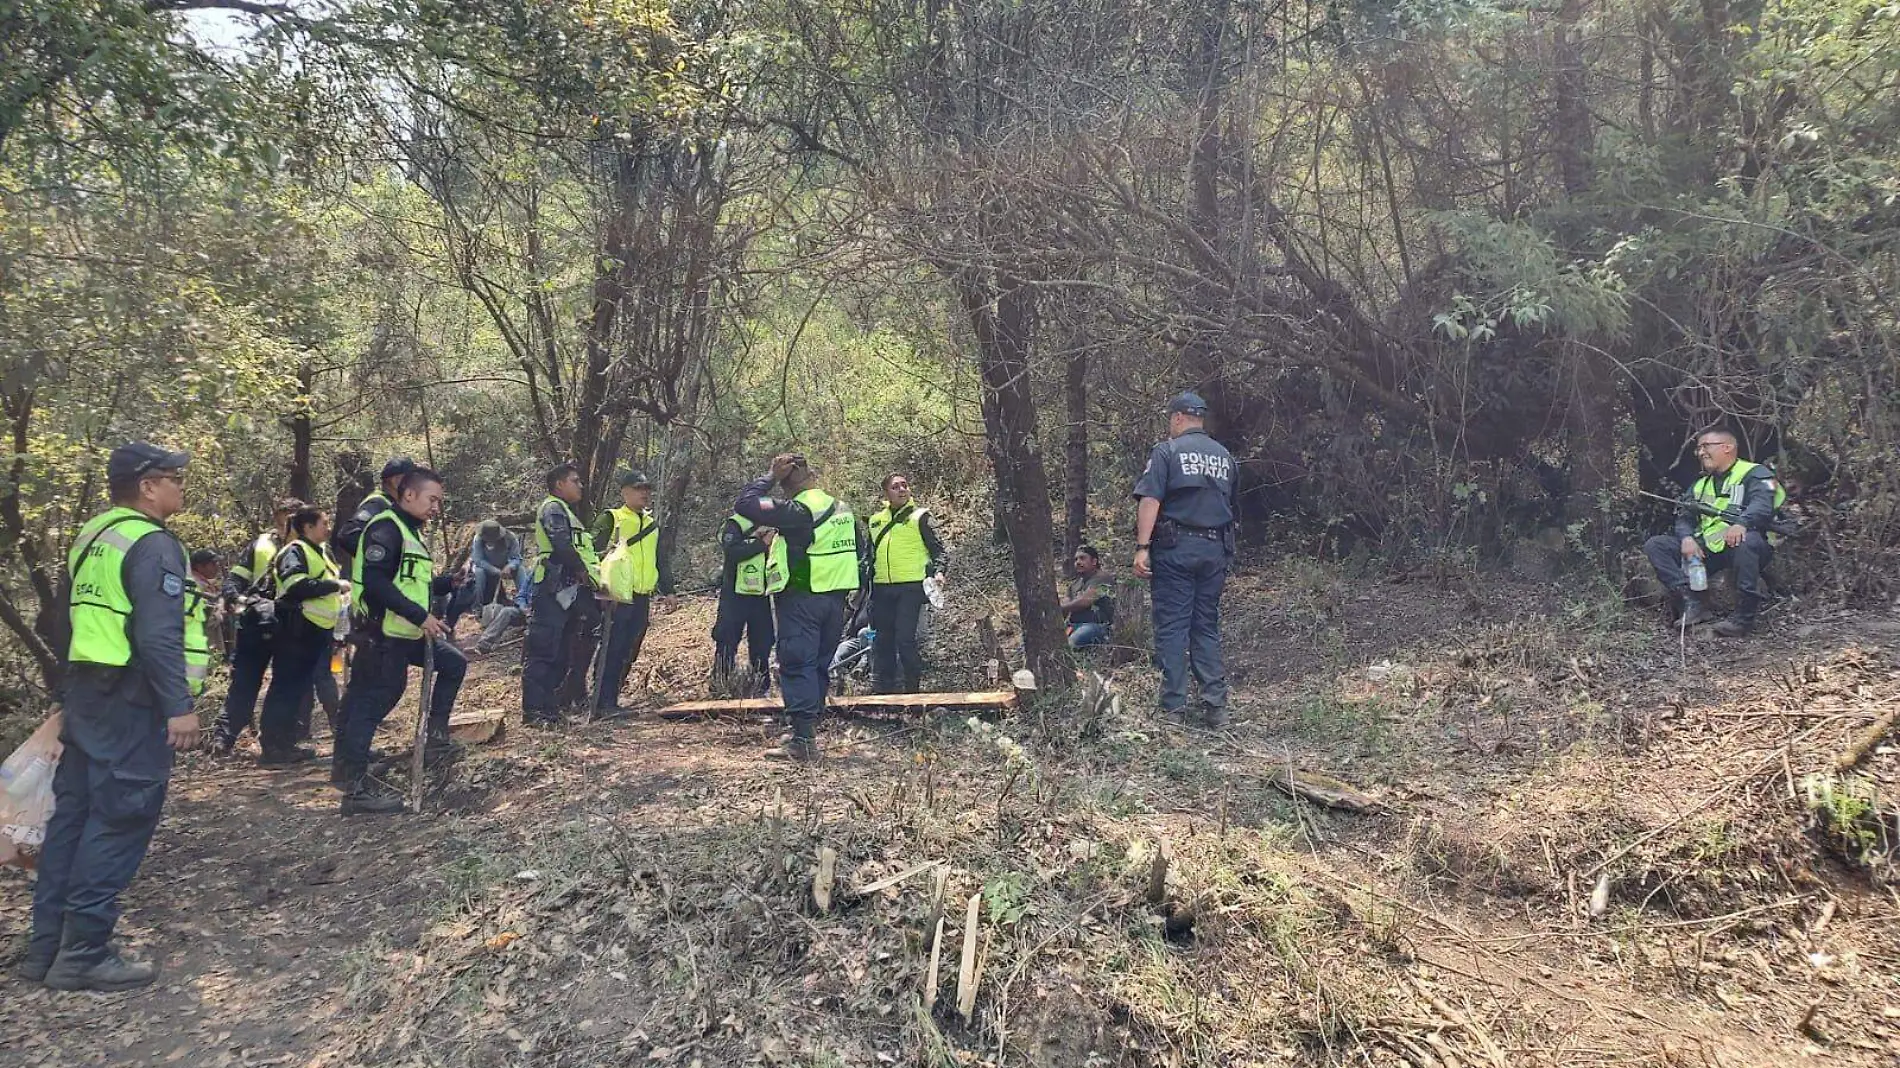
{"x": 1690, "y": 611}
{"x": 286, "y": 757}
{"x": 36, "y": 959}
{"x": 799, "y": 749}
{"x": 366, "y": 796}
{"x": 72, "y": 971}
{"x": 1742, "y": 623}
{"x": 440, "y": 749}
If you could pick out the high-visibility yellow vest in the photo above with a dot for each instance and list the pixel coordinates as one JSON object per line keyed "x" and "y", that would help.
{"x": 764, "y": 574}
{"x": 900, "y": 555}
{"x": 251, "y": 568}
{"x": 197, "y": 636}
{"x": 1733, "y": 495}
{"x": 632, "y": 566}
{"x": 832, "y": 560}
{"x": 321, "y": 611}
{"x": 583, "y": 542}
{"x": 100, "y": 606}
{"x": 415, "y": 576}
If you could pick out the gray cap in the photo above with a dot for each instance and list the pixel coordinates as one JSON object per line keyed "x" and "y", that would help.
{"x": 135, "y": 458}
{"x": 1188, "y": 404}
{"x": 491, "y": 529}
{"x": 397, "y": 467}
{"x": 630, "y": 479}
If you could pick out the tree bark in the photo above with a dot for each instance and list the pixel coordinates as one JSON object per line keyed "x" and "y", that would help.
{"x": 1001, "y": 309}
{"x": 301, "y": 433}
{"x": 1075, "y": 396}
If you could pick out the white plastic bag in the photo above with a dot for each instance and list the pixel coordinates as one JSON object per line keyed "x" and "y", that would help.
{"x": 26, "y": 794}
{"x": 933, "y": 592}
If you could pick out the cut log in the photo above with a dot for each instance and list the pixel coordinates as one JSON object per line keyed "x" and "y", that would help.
{"x": 478, "y": 728}
{"x": 898, "y": 702}
{"x": 1325, "y": 790}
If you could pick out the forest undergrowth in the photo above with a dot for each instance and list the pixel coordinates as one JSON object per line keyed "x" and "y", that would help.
{"x": 1586, "y": 845}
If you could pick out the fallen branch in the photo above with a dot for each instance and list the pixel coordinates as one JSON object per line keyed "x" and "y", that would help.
{"x": 1866, "y": 742}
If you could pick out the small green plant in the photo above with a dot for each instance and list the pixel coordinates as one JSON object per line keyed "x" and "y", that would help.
{"x": 1848, "y": 812}
{"x": 1006, "y": 899}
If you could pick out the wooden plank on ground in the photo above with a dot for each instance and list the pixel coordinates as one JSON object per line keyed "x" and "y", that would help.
{"x": 859, "y": 703}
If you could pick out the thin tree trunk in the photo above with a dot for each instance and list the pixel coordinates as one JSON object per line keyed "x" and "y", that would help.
{"x": 1001, "y": 314}
{"x": 1075, "y": 395}
{"x": 301, "y": 434}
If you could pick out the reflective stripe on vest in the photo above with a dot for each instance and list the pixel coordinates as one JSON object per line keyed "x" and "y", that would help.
{"x": 415, "y": 574}
{"x": 100, "y": 608}
{"x": 321, "y": 611}
{"x": 900, "y": 555}
{"x": 1734, "y": 494}
{"x": 197, "y": 637}
{"x": 766, "y": 573}
{"x": 832, "y": 560}
{"x": 583, "y": 542}
{"x": 632, "y": 568}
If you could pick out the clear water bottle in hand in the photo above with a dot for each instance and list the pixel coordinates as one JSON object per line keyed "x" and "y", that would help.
{"x": 1697, "y": 571}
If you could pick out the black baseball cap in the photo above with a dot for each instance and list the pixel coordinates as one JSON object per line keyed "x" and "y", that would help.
{"x": 136, "y": 458}
{"x": 630, "y": 479}
{"x": 397, "y": 467}
{"x": 1188, "y": 404}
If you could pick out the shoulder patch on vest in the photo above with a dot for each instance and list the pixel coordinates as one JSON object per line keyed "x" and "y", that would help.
{"x": 172, "y": 585}
{"x": 375, "y": 553}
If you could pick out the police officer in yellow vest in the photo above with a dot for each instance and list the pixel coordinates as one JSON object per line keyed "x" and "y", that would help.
{"x": 628, "y": 536}
{"x": 308, "y": 592}
{"x": 349, "y": 532}
{"x": 1745, "y": 499}
{"x": 247, "y": 592}
{"x": 127, "y": 700}
{"x": 564, "y": 617}
{"x": 756, "y": 570}
{"x": 826, "y": 554}
{"x": 201, "y": 615}
{"x": 905, "y": 550}
{"x": 393, "y": 583}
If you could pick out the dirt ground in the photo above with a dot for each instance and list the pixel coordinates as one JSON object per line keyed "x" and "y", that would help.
{"x": 1592, "y": 844}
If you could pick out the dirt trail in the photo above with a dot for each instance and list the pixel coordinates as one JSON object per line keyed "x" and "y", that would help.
{"x": 640, "y": 893}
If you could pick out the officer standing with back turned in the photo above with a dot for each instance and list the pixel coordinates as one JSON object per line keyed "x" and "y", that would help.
{"x": 1184, "y": 540}
{"x": 827, "y": 555}
{"x": 127, "y": 705}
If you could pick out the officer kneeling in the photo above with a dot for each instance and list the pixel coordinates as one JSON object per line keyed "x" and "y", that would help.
{"x": 127, "y": 706}
{"x": 393, "y": 582}
{"x": 1184, "y": 540}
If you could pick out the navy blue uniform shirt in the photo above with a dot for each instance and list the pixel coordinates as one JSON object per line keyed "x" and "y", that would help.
{"x": 1193, "y": 478}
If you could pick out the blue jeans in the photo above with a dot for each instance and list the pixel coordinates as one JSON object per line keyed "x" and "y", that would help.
{"x": 1083, "y": 635}
{"x": 1188, "y": 579}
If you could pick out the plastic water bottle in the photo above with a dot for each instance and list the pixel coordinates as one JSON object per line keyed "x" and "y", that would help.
{"x": 1697, "y": 571}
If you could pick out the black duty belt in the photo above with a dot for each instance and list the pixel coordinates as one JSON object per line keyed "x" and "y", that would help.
{"x": 1211, "y": 533}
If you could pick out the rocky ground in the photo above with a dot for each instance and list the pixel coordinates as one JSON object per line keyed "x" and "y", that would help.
{"x": 1591, "y": 844}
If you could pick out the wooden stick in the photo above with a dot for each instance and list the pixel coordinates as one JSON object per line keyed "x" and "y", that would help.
{"x": 1866, "y": 742}
{"x": 885, "y": 701}
{"x": 892, "y": 880}
{"x": 424, "y": 693}
{"x": 1158, "y": 872}
{"x": 930, "y": 977}
{"x": 822, "y": 879}
{"x": 966, "y": 972}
